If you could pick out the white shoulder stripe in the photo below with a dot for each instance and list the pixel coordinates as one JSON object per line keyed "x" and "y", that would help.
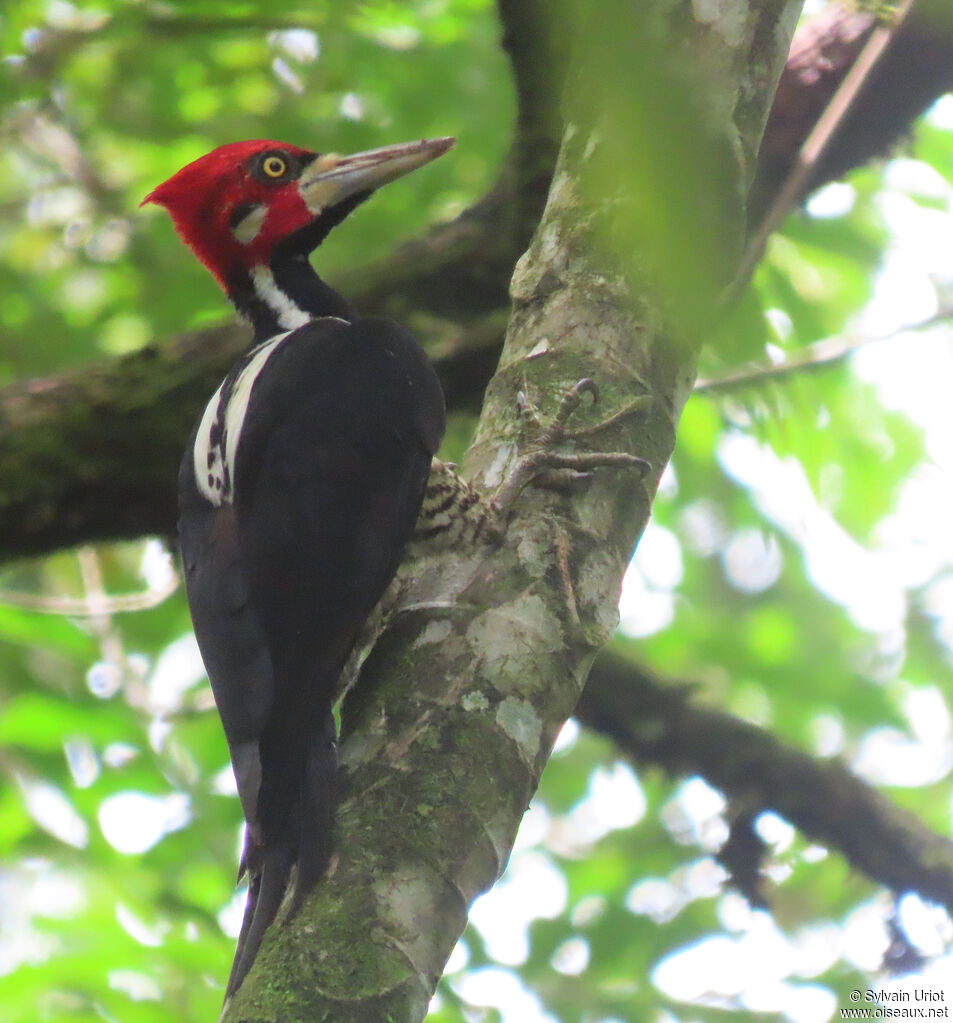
{"x": 240, "y": 396}
{"x": 216, "y": 443}
{"x": 207, "y": 456}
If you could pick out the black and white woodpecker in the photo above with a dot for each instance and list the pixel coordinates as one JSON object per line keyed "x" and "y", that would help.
{"x": 300, "y": 488}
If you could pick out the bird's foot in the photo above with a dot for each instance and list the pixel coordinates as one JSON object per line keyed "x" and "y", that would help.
{"x": 454, "y": 512}
{"x": 542, "y": 466}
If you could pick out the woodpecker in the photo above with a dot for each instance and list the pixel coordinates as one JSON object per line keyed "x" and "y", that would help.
{"x": 299, "y": 490}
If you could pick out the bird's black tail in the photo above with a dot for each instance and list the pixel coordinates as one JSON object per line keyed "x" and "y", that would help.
{"x": 292, "y": 830}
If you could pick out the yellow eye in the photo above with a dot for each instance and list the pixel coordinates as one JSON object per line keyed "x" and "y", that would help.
{"x": 274, "y": 166}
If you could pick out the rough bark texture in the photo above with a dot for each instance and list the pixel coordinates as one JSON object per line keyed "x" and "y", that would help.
{"x": 459, "y": 703}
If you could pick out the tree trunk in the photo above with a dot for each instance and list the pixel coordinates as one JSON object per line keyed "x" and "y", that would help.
{"x": 446, "y": 733}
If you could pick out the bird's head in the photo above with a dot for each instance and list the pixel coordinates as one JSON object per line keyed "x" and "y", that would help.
{"x": 246, "y": 203}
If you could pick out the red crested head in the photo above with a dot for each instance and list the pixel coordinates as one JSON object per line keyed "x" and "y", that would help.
{"x": 234, "y": 204}
{"x": 238, "y": 204}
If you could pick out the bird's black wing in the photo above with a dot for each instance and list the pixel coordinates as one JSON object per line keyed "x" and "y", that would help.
{"x": 227, "y": 629}
{"x": 332, "y": 461}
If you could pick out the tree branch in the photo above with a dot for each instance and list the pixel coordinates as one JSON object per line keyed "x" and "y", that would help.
{"x": 656, "y": 723}
{"x": 822, "y": 134}
{"x": 93, "y": 454}
{"x": 817, "y": 356}
{"x": 916, "y": 70}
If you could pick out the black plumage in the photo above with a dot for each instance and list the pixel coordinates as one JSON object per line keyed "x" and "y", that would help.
{"x": 329, "y": 473}
{"x": 300, "y": 489}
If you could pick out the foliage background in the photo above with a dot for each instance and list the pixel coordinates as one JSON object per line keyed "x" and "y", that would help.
{"x": 795, "y": 573}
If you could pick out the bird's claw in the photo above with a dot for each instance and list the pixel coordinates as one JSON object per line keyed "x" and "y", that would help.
{"x": 546, "y": 467}
{"x": 568, "y": 404}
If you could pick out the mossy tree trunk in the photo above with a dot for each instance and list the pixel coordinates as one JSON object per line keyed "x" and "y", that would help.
{"x": 458, "y": 705}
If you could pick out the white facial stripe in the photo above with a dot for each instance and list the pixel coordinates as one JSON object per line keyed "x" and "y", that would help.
{"x": 246, "y": 230}
{"x": 287, "y": 313}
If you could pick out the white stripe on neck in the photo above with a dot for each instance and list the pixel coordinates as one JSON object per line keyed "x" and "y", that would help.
{"x": 279, "y": 302}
